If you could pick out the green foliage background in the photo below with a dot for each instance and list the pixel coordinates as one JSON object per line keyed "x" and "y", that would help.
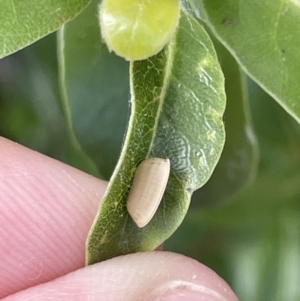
{"x": 249, "y": 231}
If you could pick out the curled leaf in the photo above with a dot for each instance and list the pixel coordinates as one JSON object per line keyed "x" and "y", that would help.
{"x": 178, "y": 101}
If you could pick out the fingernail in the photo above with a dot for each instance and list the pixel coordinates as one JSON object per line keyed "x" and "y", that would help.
{"x": 185, "y": 291}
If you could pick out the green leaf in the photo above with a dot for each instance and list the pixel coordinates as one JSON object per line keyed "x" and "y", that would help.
{"x": 240, "y": 240}
{"x": 96, "y": 85}
{"x": 264, "y": 37}
{"x": 270, "y": 262}
{"x": 262, "y": 236}
{"x": 24, "y": 22}
{"x": 29, "y": 112}
{"x": 30, "y": 97}
{"x": 239, "y": 159}
{"x": 178, "y": 100}
{"x": 192, "y": 6}
{"x": 278, "y": 133}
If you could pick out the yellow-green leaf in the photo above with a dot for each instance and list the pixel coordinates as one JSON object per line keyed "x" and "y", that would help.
{"x": 138, "y": 29}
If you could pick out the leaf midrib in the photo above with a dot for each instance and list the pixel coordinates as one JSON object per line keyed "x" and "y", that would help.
{"x": 167, "y": 77}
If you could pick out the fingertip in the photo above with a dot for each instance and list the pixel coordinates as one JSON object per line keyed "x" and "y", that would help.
{"x": 149, "y": 276}
{"x": 46, "y": 210}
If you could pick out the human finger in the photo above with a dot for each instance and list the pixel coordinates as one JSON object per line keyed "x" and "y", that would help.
{"x": 150, "y": 276}
{"x": 46, "y": 210}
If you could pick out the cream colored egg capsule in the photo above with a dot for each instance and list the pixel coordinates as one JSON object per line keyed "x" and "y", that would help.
{"x": 148, "y": 187}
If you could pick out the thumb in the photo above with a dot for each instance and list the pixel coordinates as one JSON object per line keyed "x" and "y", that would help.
{"x": 152, "y": 276}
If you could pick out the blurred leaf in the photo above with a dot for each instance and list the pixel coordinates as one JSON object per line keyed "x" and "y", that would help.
{"x": 29, "y": 111}
{"x": 178, "y": 100}
{"x": 264, "y": 37}
{"x": 96, "y": 85}
{"x": 249, "y": 211}
{"x": 268, "y": 268}
{"x": 24, "y": 22}
{"x": 248, "y": 242}
{"x": 238, "y": 162}
{"x": 278, "y": 133}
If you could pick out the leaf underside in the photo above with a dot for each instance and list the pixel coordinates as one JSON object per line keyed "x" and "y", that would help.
{"x": 238, "y": 163}
{"x": 96, "y": 85}
{"x": 177, "y": 104}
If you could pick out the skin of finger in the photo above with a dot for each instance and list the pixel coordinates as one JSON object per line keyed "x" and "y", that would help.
{"x": 46, "y": 210}
{"x": 142, "y": 276}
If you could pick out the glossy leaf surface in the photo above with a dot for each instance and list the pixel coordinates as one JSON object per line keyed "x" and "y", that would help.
{"x": 176, "y": 115}
{"x": 264, "y": 37}
{"x": 254, "y": 239}
{"x": 239, "y": 159}
{"x": 24, "y": 22}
